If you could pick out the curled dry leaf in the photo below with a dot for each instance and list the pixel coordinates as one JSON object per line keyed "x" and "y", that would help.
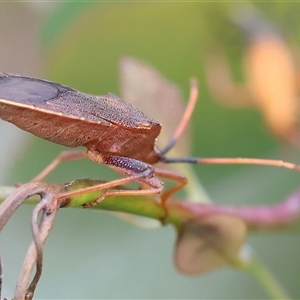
{"x": 208, "y": 243}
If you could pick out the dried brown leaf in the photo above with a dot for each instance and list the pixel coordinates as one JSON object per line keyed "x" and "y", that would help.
{"x": 148, "y": 90}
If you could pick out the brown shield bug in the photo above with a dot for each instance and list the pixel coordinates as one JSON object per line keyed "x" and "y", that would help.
{"x": 114, "y": 132}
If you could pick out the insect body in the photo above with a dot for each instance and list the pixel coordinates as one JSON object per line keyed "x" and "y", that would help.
{"x": 114, "y": 132}
{"x": 65, "y": 116}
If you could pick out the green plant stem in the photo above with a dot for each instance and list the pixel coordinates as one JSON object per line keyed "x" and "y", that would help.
{"x": 178, "y": 212}
{"x": 272, "y": 287}
{"x": 137, "y": 205}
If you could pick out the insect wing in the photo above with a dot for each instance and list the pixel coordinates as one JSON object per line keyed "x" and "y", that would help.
{"x": 30, "y": 91}
{"x": 29, "y": 104}
{"x": 65, "y": 116}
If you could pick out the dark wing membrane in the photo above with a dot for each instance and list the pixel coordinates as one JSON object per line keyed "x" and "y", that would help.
{"x": 28, "y": 90}
{"x": 56, "y": 98}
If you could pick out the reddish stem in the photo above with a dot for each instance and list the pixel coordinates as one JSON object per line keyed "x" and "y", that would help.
{"x": 264, "y": 217}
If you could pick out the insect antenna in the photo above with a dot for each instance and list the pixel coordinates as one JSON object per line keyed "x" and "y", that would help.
{"x": 185, "y": 118}
{"x": 202, "y": 160}
{"x": 234, "y": 161}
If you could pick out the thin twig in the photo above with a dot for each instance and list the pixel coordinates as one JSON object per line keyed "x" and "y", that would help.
{"x": 38, "y": 246}
{"x": 13, "y": 201}
{"x": 34, "y": 253}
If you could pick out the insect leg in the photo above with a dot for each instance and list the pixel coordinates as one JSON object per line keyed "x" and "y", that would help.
{"x": 179, "y": 178}
{"x": 63, "y": 156}
{"x": 133, "y": 169}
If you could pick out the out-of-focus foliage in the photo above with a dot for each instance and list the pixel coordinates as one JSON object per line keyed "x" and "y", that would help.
{"x": 81, "y": 45}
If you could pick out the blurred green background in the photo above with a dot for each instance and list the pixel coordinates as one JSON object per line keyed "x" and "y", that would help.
{"x": 92, "y": 254}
